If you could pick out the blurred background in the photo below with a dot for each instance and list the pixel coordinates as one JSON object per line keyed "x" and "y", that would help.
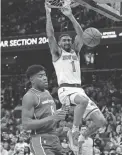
{"x": 24, "y": 43}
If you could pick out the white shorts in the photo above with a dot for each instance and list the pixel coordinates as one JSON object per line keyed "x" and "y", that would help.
{"x": 67, "y": 95}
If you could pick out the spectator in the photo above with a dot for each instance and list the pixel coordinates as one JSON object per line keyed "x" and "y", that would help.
{"x": 65, "y": 146}
{"x": 5, "y": 120}
{"x": 27, "y": 151}
{"x": 19, "y": 147}
{"x": 119, "y": 150}
{"x": 96, "y": 150}
{"x": 3, "y": 151}
{"x": 6, "y": 145}
{"x": 87, "y": 146}
{"x": 11, "y": 151}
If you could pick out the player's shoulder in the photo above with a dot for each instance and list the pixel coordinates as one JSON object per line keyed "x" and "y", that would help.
{"x": 28, "y": 96}
{"x": 29, "y": 100}
{"x": 48, "y": 94}
{"x": 47, "y": 91}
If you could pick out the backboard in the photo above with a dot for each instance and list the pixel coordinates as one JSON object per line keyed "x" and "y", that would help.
{"x": 108, "y": 8}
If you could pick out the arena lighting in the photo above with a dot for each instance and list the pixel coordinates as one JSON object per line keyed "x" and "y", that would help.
{"x": 120, "y": 34}
{"x": 15, "y": 57}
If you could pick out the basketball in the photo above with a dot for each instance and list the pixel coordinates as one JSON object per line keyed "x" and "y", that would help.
{"x": 91, "y": 37}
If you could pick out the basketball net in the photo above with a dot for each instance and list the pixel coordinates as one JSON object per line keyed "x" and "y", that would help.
{"x": 61, "y": 3}
{"x": 73, "y": 3}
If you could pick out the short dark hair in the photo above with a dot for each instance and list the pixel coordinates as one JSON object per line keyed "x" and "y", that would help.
{"x": 62, "y": 35}
{"x": 34, "y": 69}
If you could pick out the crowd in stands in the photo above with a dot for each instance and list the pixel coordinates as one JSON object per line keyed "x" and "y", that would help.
{"x": 104, "y": 88}
{"x": 28, "y": 17}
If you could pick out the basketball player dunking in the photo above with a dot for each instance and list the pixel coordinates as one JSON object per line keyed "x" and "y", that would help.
{"x": 40, "y": 116}
{"x": 65, "y": 57}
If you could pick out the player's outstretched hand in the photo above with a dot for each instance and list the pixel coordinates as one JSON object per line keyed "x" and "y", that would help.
{"x": 66, "y": 11}
{"x": 59, "y": 115}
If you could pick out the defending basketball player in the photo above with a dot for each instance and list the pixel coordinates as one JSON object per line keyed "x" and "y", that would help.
{"x": 39, "y": 114}
{"x": 65, "y": 57}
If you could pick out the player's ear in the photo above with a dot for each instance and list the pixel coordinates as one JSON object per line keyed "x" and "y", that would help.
{"x": 32, "y": 79}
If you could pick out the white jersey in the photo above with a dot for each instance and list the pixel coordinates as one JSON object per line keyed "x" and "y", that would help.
{"x": 67, "y": 68}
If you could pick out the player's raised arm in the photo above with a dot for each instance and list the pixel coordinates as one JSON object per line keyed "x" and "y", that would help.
{"x": 78, "y": 39}
{"x": 55, "y": 51}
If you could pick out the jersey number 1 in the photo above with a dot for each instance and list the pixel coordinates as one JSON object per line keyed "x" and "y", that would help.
{"x": 73, "y": 66}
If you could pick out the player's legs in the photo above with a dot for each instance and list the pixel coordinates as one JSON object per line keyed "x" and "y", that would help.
{"x": 68, "y": 96}
{"x": 97, "y": 118}
{"x": 81, "y": 104}
{"x": 98, "y": 121}
{"x": 46, "y": 144}
{"x": 38, "y": 148}
{"x": 74, "y": 96}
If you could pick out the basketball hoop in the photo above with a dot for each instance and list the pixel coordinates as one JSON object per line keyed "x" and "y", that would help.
{"x": 73, "y": 3}
{"x": 110, "y": 8}
{"x": 61, "y": 3}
